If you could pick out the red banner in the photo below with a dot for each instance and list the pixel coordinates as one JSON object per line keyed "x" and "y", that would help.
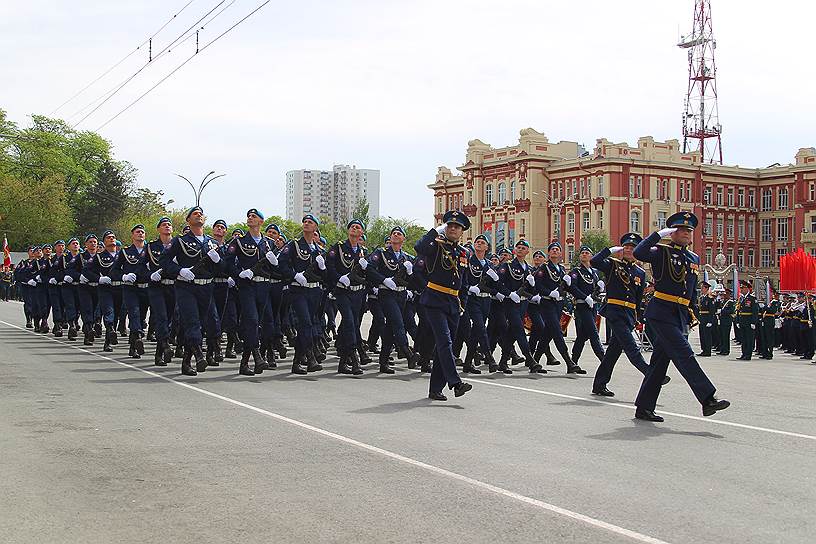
{"x": 797, "y": 272}
{"x": 6, "y": 252}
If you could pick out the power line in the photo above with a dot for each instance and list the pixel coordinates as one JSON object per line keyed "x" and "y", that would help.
{"x": 201, "y": 50}
{"x": 110, "y": 94}
{"x": 123, "y": 59}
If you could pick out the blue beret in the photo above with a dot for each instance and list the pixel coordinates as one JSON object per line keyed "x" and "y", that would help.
{"x": 256, "y": 212}
{"x": 355, "y": 222}
{"x": 163, "y": 219}
{"x": 523, "y": 242}
{"x": 237, "y": 231}
{"x": 323, "y": 240}
{"x": 36, "y": 248}
{"x": 505, "y": 250}
{"x": 456, "y": 217}
{"x": 118, "y": 243}
{"x": 311, "y": 218}
{"x": 58, "y": 242}
{"x": 47, "y": 246}
{"x": 108, "y": 233}
{"x": 283, "y": 235}
{"x": 387, "y": 238}
{"x": 585, "y": 248}
{"x": 73, "y": 239}
{"x": 630, "y": 238}
{"x": 482, "y": 237}
{"x": 538, "y": 253}
{"x": 194, "y": 209}
{"x": 139, "y": 226}
{"x": 682, "y": 219}
{"x": 363, "y": 237}
{"x": 272, "y": 226}
{"x": 90, "y": 236}
{"x": 398, "y": 229}
{"x": 220, "y": 222}
{"x": 554, "y": 245}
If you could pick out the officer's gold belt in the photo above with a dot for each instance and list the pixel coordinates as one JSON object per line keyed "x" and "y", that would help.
{"x": 672, "y": 298}
{"x": 745, "y": 313}
{"x": 443, "y": 289}
{"x": 619, "y": 302}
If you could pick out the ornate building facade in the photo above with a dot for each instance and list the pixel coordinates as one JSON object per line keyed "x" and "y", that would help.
{"x": 544, "y": 191}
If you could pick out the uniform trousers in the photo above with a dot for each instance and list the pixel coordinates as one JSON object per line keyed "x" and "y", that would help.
{"x": 254, "y": 296}
{"x": 195, "y": 310}
{"x": 304, "y": 302}
{"x": 443, "y": 320}
{"x": 68, "y": 292}
{"x": 586, "y": 330}
{"x": 477, "y": 311}
{"x": 393, "y": 333}
{"x": 621, "y": 339}
{"x": 136, "y": 302}
{"x": 88, "y": 303}
{"x": 350, "y": 306}
{"x": 106, "y": 305}
{"x": 56, "y": 303}
{"x": 162, "y": 299}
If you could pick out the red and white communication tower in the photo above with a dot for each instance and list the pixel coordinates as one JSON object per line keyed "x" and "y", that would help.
{"x": 701, "y": 119}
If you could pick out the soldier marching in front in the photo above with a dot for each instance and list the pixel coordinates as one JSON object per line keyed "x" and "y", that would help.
{"x": 100, "y": 272}
{"x": 131, "y": 266}
{"x": 161, "y": 293}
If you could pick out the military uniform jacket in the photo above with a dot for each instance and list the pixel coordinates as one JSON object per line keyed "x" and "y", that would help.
{"x": 341, "y": 259}
{"x": 154, "y": 253}
{"x": 727, "y": 312}
{"x": 548, "y": 278}
{"x": 748, "y": 311}
{"x": 583, "y": 282}
{"x": 445, "y": 262}
{"x": 385, "y": 263}
{"x": 475, "y": 273}
{"x": 772, "y": 311}
{"x": 187, "y": 251}
{"x": 53, "y": 270}
{"x": 101, "y": 264}
{"x": 71, "y": 265}
{"x": 675, "y": 270}
{"x": 512, "y": 276}
{"x": 624, "y": 286}
{"x": 246, "y": 253}
{"x": 22, "y": 272}
{"x": 707, "y": 309}
{"x": 298, "y": 256}
{"x": 131, "y": 261}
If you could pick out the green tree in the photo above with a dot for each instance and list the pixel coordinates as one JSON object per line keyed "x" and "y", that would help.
{"x": 106, "y": 200}
{"x": 33, "y": 212}
{"x": 361, "y": 211}
{"x": 595, "y": 239}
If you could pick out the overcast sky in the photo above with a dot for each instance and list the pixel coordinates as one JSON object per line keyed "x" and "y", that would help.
{"x": 399, "y": 86}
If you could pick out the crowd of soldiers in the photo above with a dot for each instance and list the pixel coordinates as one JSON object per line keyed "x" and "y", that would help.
{"x": 256, "y": 295}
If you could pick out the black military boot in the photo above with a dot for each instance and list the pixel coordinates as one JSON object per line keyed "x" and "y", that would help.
{"x": 201, "y": 361}
{"x": 179, "y": 352}
{"x": 72, "y": 332}
{"x": 297, "y": 363}
{"x": 108, "y": 335}
{"x": 373, "y": 347}
{"x": 44, "y": 329}
{"x": 229, "y": 352}
{"x": 57, "y": 329}
{"x": 151, "y": 333}
{"x": 260, "y": 363}
{"x": 313, "y": 364}
{"x": 385, "y": 368}
{"x": 114, "y": 338}
{"x": 29, "y": 323}
{"x": 280, "y": 347}
{"x": 167, "y": 351}
{"x": 424, "y": 363}
{"x": 122, "y": 329}
{"x": 132, "y": 351}
{"x": 218, "y": 355}
{"x": 97, "y": 330}
{"x": 139, "y": 343}
{"x": 515, "y": 357}
{"x": 467, "y": 366}
{"x": 492, "y": 366}
{"x": 411, "y": 356}
{"x": 270, "y": 355}
{"x": 573, "y": 368}
{"x": 363, "y": 357}
{"x": 533, "y": 365}
{"x": 355, "y": 363}
{"x": 478, "y": 358}
{"x": 209, "y": 355}
{"x": 88, "y": 335}
{"x": 157, "y": 357}
{"x": 503, "y": 367}
{"x": 186, "y": 363}
{"x": 244, "y": 370}
{"x": 345, "y": 365}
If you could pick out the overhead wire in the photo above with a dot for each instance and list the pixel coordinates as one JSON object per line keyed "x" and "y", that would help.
{"x": 201, "y": 50}
{"x": 123, "y": 59}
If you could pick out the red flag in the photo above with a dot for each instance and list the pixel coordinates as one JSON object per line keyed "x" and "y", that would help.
{"x": 6, "y": 252}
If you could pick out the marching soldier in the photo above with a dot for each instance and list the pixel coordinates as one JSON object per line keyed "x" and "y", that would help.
{"x": 747, "y": 318}
{"x": 70, "y": 267}
{"x": 100, "y": 272}
{"x": 161, "y": 292}
{"x": 675, "y": 269}
{"x": 55, "y": 280}
{"x": 223, "y": 296}
{"x": 726, "y": 313}
{"x": 131, "y": 266}
{"x": 706, "y": 318}
{"x": 583, "y": 283}
{"x": 88, "y": 291}
{"x": 444, "y": 258}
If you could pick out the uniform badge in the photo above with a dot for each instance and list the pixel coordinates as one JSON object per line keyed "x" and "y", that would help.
{"x": 637, "y": 280}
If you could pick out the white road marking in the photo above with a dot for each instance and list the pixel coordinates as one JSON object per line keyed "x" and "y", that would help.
{"x": 600, "y": 524}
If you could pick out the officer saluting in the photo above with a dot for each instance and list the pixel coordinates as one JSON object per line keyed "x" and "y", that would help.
{"x": 443, "y": 259}
{"x": 675, "y": 269}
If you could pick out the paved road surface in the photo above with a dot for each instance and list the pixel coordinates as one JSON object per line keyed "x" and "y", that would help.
{"x": 97, "y": 449}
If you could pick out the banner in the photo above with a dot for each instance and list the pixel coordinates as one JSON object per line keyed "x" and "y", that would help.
{"x": 6, "y": 252}
{"x": 797, "y": 272}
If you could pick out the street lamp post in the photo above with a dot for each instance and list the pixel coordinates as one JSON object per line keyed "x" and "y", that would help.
{"x": 201, "y": 186}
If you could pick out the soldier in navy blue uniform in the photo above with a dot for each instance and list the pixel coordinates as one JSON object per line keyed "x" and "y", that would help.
{"x": 100, "y": 272}
{"x": 23, "y": 276}
{"x": 675, "y": 269}
{"x": 377, "y": 318}
{"x": 707, "y": 319}
{"x": 188, "y": 261}
{"x": 272, "y": 333}
{"x": 625, "y": 281}
{"x": 161, "y": 292}
{"x": 131, "y": 266}
{"x": 88, "y": 290}
{"x": 583, "y": 283}
{"x": 302, "y": 266}
{"x": 444, "y": 261}
{"x": 250, "y": 252}
{"x": 345, "y": 271}
{"x": 515, "y": 276}
{"x": 224, "y": 297}
{"x": 69, "y": 268}
{"x": 548, "y": 278}
{"x": 54, "y": 284}
{"x": 384, "y": 266}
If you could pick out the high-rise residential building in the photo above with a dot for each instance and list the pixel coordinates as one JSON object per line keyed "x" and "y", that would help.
{"x": 332, "y": 193}
{"x": 544, "y": 191}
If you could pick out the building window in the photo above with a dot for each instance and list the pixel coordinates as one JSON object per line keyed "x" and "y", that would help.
{"x": 780, "y": 252}
{"x": 557, "y": 224}
{"x": 812, "y": 192}
{"x": 522, "y": 230}
{"x": 560, "y": 190}
{"x": 585, "y": 220}
{"x": 782, "y": 228}
{"x": 707, "y": 195}
{"x": 730, "y": 228}
{"x": 767, "y": 199}
{"x": 639, "y": 187}
{"x": 513, "y": 191}
{"x": 741, "y": 228}
{"x": 523, "y": 191}
{"x": 709, "y": 226}
{"x": 719, "y": 228}
{"x": 741, "y": 198}
{"x": 731, "y": 196}
{"x": 489, "y": 194}
{"x": 682, "y": 190}
{"x": 740, "y": 258}
{"x": 470, "y": 197}
{"x": 634, "y": 221}
{"x": 751, "y": 199}
{"x": 570, "y": 223}
{"x": 765, "y": 257}
{"x": 661, "y": 220}
{"x": 631, "y": 186}
{"x": 719, "y": 196}
{"x": 601, "y": 186}
{"x": 708, "y": 255}
{"x": 813, "y": 224}
{"x": 766, "y": 230}
{"x": 600, "y": 219}
{"x": 751, "y": 261}
{"x": 502, "y": 192}
{"x": 582, "y": 187}
{"x": 783, "y": 198}
{"x": 571, "y": 254}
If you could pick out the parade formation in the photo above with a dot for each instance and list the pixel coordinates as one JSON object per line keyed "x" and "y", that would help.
{"x": 256, "y": 296}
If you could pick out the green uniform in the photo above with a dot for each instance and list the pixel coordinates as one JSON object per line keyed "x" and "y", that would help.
{"x": 748, "y": 318}
{"x": 726, "y": 320}
{"x": 768, "y": 326}
{"x": 706, "y": 319}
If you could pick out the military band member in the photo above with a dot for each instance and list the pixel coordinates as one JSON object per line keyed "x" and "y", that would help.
{"x": 706, "y": 318}
{"x": 768, "y": 325}
{"x": 675, "y": 269}
{"x": 444, "y": 258}
{"x": 583, "y": 283}
{"x": 726, "y": 314}
{"x": 747, "y": 319}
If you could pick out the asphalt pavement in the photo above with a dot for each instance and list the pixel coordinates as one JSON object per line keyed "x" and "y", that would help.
{"x": 101, "y": 448}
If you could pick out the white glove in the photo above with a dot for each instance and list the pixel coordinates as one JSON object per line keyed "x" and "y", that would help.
{"x": 187, "y": 274}
{"x": 214, "y": 256}
{"x": 410, "y": 295}
{"x": 104, "y": 280}
{"x": 39, "y": 278}
{"x": 321, "y": 262}
{"x": 665, "y": 232}
{"x": 737, "y": 325}
{"x": 83, "y": 279}
{"x": 601, "y": 285}
{"x": 230, "y": 283}
{"x": 709, "y": 324}
{"x": 247, "y": 274}
{"x": 344, "y": 280}
{"x": 492, "y": 274}
{"x": 753, "y": 326}
{"x": 68, "y": 279}
{"x": 388, "y": 282}
{"x": 514, "y": 297}
{"x": 536, "y": 299}
{"x": 156, "y": 276}
{"x": 52, "y": 281}
{"x": 441, "y": 229}
{"x": 363, "y": 263}
{"x": 615, "y": 249}
{"x": 474, "y": 289}
{"x": 531, "y": 280}
{"x": 374, "y": 290}
{"x": 567, "y": 279}
{"x": 300, "y": 278}
{"x": 129, "y": 278}
{"x": 272, "y": 258}
{"x": 499, "y": 297}
{"x": 554, "y": 294}
{"x": 32, "y": 283}
{"x": 409, "y": 267}
{"x": 589, "y": 300}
